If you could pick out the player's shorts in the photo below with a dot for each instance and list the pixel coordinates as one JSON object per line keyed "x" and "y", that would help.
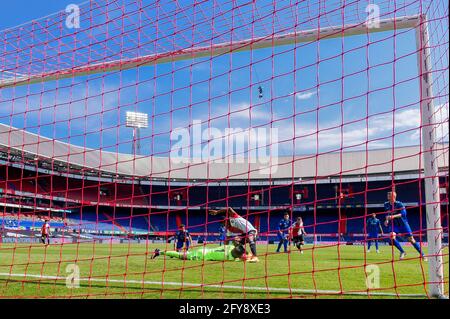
{"x": 403, "y": 231}
{"x": 372, "y": 236}
{"x": 245, "y": 238}
{"x": 180, "y": 244}
{"x": 298, "y": 239}
{"x": 44, "y": 236}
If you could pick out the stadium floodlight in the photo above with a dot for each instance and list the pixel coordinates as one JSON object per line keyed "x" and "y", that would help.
{"x": 136, "y": 121}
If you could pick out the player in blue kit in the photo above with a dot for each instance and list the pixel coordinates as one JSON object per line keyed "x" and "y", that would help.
{"x": 399, "y": 226}
{"x": 182, "y": 238}
{"x": 222, "y": 234}
{"x": 283, "y": 232}
{"x": 373, "y": 227}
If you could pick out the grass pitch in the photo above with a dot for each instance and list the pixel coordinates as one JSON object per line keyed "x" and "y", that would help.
{"x": 126, "y": 271}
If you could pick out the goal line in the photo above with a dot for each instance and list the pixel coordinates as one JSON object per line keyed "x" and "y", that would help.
{"x": 187, "y": 285}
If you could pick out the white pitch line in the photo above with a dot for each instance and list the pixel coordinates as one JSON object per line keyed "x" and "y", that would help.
{"x": 189, "y": 285}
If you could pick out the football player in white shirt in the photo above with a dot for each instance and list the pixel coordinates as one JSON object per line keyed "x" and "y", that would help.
{"x": 236, "y": 224}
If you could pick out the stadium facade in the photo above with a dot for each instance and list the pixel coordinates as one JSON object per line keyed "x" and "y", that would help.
{"x": 91, "y": 194}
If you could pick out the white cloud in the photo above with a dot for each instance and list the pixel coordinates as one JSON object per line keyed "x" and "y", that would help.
{"x": 309, "y": 138}
{"x": 404, "y": 119}
{"x": 407, "y": 118}
{"x": 305, "y": 95}
{"x": 243, "y": 111}
{"x": 442, "y": 117}
{"x": 415, "y": 135}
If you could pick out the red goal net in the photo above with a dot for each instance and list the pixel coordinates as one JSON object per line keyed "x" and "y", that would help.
{"x": 226, "y": 149}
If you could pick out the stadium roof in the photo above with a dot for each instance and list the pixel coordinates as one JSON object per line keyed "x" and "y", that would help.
{"x": 380, "y": 161}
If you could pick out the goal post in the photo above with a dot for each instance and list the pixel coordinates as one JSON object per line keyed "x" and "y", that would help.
{"x": 274, "y": 40}
{"x": 431, "y": 169}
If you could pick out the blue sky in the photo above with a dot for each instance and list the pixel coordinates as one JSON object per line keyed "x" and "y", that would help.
{"x": 321, "y": 96}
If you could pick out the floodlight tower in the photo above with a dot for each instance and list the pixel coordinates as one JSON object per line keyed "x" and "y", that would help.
{"x": 136, "y": 121}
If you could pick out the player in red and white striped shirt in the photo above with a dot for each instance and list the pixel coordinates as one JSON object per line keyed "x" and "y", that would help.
{"x": 298, "y": 232}
{"x": 235, "y": 224}
{"x": 45, "y": 232}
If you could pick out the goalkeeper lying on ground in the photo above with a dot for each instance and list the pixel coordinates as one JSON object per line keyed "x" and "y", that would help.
{"x": 235, "y": 252}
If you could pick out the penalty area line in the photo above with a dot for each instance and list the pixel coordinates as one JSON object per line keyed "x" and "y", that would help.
{"x": 206, "y": 286}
